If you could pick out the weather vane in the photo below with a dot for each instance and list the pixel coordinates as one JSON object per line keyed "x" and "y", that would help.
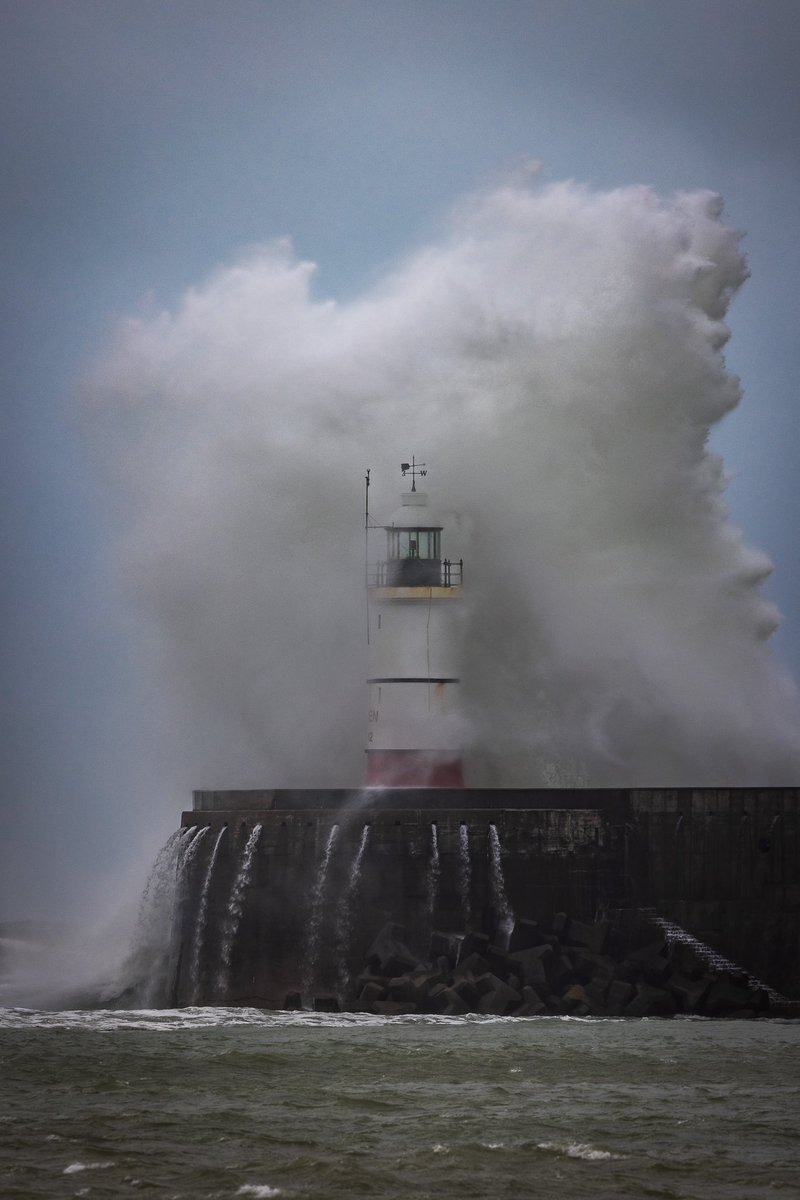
{"x": 416, "y": 469}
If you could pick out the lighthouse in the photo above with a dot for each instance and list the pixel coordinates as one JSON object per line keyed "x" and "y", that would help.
{"x": 413, "y": 602}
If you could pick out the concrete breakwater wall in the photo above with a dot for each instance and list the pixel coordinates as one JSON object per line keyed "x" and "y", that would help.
{"x": 725, "y": 865}
{"x": 327, "y": 870}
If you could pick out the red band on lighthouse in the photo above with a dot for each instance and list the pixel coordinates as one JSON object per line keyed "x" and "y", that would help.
{"x": 413, "y": 768}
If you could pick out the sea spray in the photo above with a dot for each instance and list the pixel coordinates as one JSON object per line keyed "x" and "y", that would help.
{"x": 565, "y": 342}
{"x": 142, "y": 978}
{"x": 502, "y": 909}
{"x": 433, "y": 871}
{"x": 346, "y": 910}
{"x": 199, "y": 933}
{"x": 317, "y": 912}
{"x": 464, "y": 875}
{"x": 233, "y": 914}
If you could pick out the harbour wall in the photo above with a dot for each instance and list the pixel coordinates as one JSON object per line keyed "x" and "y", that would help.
{"x": 721, "y": 863}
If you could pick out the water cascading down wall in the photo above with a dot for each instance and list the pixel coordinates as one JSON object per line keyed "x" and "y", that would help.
{"x": 282, "y": 892}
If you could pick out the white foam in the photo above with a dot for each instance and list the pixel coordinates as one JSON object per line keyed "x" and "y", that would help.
{"x": 261, "y": 1190}
{"x": 75, "y": 1167}
{"x": 579, "y": 1150}
{"x": 170, "y": 1020}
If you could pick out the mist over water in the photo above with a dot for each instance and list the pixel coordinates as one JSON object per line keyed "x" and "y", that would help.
{"x": 556, "y": 358}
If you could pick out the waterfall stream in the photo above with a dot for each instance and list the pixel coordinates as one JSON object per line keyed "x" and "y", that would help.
{"x": 315, "y": 919}
{"x": 233, "y": 915}
{"x": 344, "y": 921}
{"x": 433, "y": 871}
{"x": 187, "y": 855}
{"x": 464, "y": 874}
{"x": 198, "y": 940}
{"x": 503, "y": 912}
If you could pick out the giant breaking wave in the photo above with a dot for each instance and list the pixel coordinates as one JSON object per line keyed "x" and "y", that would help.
{"x": 557, "y": 359}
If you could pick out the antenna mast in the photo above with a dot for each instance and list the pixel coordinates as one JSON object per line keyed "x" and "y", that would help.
{"x": 366, "y": 545}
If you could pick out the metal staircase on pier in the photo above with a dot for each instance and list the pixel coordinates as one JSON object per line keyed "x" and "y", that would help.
{"x": 677, "y": 936}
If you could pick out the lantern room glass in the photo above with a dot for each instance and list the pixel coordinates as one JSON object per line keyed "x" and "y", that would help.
{"x": 413, "y": 543}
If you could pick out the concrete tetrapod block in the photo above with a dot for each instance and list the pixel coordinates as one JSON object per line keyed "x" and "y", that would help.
{"x": 726, "y": 997}
{"x": 473, "y": 943}
{"x": 389, "y": 952}
{"x": 560, "y": 925}
{"x": 366, "y": 977}
{"x": 524, "y": 935}
{"x": 369, "y": 994}
{"x": 593, "y": 937}
{"x": 392, "y": 1008}
{"x": 530, "y": 965}
{"x": 326, "y": 1004}
{"x": 560, "y": 972}
{"x": 590, "y": 966}
{"x": 498, "y": 960}
{"x": 399, "y": 988}
{"x": 656, "y": 970}
{"x": 468, "y": 993}
{"x": 500, "y": 1001}
{"x": 651, "y": 1001}
{"x": 454, "y": 1004}
{"x": 473, "y": 965}
{"x": 436, "y": 1000}
{"x": 576, "y": 1000}
{"x": 619, "y": 995}
{"x": 532, "y": 1004}
{"x": 488, "y": 982}
{"x": 689, "y": 993}
{"x": 421, "y": 985}
{"x": 444, "y": 945}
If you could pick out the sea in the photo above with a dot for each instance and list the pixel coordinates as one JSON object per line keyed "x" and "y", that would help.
{"x": 216, "y": 1102}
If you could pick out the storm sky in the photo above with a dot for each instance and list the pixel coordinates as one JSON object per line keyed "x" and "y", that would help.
{"x": 149, "y": 146}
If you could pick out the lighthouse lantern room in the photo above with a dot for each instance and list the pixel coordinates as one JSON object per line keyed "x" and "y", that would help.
{"x": 413, "y": 737}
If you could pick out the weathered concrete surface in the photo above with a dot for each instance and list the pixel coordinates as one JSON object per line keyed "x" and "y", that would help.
{"x": 552, "y": 859}
{"x": 263, "y": 800}
{"x": 725, "y": 865}
{"x": 722, "y": 863}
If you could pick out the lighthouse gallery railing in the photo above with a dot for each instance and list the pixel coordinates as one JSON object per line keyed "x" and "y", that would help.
{"x": 415, "y": 572}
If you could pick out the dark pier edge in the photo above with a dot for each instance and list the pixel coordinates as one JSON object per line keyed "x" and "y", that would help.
{"x": 723, "y": 863}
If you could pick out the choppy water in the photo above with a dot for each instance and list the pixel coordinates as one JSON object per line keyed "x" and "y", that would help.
{"x": 224, "y": 1103}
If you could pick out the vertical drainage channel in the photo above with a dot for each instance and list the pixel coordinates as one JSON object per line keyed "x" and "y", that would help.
{"x": 183, "y": 883}
{"x": 233, "y": 915}
{"x": 315, "y": 920}
{"x": 344, "y": 922}
{"x": 464, "y": 875}
{"x": 199, "y": 937}
{"x": 433, "y": 871}
{"x": 502, "y": 909}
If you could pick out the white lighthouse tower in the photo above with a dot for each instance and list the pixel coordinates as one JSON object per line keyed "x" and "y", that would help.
{"x": 413, "y": 737}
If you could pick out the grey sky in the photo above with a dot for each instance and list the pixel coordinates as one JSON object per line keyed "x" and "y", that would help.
{"x": 146, "y": 142}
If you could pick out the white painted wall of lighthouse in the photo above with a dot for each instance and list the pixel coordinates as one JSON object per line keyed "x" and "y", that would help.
{"x": 414, "y": 638}
{"x": 413, "y": 715}
{"x": 414, "y": 644}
